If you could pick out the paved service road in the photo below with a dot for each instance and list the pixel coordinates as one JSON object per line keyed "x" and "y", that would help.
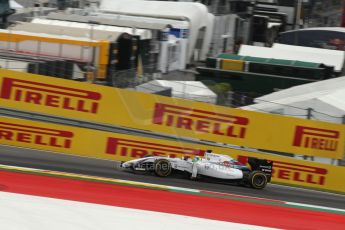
{"x": 66, "y": 163}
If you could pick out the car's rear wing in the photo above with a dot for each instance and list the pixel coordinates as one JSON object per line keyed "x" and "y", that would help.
{"x": 265, "y": 166}
{"x": 257, "y": 164}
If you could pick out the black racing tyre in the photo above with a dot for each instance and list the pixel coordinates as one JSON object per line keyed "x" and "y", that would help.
{"x": 257, "y": 180}
{"x": 162, "y": 167}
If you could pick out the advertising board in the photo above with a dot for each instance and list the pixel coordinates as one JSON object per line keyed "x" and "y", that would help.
{"x": 120, "y": 147}
{"x": 183, "y": 118}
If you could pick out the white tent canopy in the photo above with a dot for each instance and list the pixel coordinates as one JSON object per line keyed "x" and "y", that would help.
{"x": 334, "y": 58}
{"x": 325, "y": 98}
{"x": 15, "y": 5}
{"x": 314, "y": 87}
{"x": 190, "y": 90}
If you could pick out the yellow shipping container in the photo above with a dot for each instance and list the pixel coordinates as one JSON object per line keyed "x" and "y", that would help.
{"x": 234, "y": 65}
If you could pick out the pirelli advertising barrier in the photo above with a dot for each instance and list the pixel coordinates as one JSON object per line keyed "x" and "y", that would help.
{"x": 167, "y": 115}
{"x": 105, "y": 145}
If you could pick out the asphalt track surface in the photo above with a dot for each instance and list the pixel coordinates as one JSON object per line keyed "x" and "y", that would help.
{"x": 96, "y": 167}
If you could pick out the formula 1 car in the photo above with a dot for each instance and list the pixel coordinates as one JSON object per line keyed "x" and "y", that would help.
{"x": 212, "y": 167}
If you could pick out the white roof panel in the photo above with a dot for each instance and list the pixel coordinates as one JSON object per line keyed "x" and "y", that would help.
{"x": 335, "y": 99}
{"x": 117, "y": 20}
{"x": 196, "y": 13}
{"x": 287, "y": 52}
{"x": 192, "y": 90}
{"x": 144, "y": 34}
{"x": 327, "y": 101}
{"x": 335, "y": 29}
{"x": 66, "y": 30}
{"x": 48, "y": 35}
{"x": 325, "y": 85}
{"x": 15, "y": 5}
{"x": 313, "y": 50}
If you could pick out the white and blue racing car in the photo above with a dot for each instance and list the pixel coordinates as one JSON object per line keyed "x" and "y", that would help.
{"x": 212, "y": 167}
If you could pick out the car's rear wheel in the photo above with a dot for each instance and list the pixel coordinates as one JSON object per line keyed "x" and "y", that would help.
{"x": 162, "y": 167}
{"x": 257, "y": 179}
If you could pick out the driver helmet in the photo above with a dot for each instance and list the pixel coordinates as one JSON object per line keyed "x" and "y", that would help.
{"x": 196, "y": 159}
{"x": 206, "y": 154}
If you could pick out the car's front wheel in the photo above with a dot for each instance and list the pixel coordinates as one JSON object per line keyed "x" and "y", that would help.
{"x": 162, "y": 167}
